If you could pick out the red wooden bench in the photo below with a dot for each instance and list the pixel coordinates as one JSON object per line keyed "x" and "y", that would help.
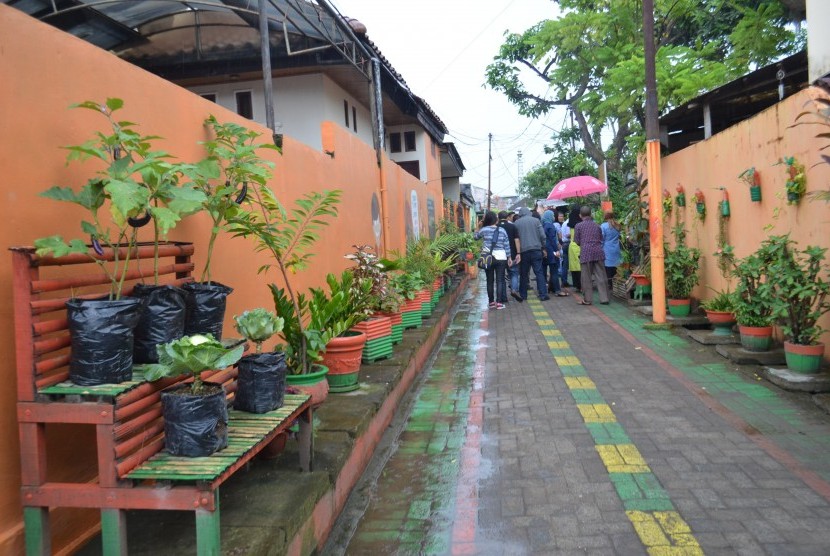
{"x": 133, "y": 470}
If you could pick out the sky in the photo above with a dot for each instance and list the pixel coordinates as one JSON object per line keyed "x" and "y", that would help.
{"x": 441, "y": 48}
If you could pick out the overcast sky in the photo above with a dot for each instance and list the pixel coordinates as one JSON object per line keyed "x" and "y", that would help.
{"x": 441, "y": 48}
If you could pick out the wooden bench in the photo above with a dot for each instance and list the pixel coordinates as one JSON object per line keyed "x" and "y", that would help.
{"x": 133, "y": 470}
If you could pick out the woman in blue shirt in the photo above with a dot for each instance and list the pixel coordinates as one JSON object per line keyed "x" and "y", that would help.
{"x": 611, "y": 246}
{"x": 500, "y": 247}
{"x": 554, "y": 253}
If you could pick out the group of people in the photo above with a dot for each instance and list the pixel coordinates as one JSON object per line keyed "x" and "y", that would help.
{"x": 552, "y": 247}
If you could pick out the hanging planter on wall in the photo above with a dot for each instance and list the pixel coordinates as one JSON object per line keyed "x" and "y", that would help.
{"x": 796, "y": 184}
{"x": 700, "y": 204}
{"x": 680, "y": 199}
{"x": 724, "y": 204}
{"x": 667, "y": 202}
{"x": 752, "y": 178}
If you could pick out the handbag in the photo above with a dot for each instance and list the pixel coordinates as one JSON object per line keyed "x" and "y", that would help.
{"x": 486, "y": 262}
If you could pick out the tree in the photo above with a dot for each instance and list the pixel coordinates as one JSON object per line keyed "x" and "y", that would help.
{"x": 591, "y": 59}
{"x": 565, "y": 161}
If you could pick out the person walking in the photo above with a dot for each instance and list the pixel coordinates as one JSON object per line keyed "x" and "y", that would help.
{"x": 554, "y": 254}
{"x": 611, "y": 247}
{"x": 588, "y": 235}
{"x": 565, "y": 234}
{"x": 497, "y": 244}
{"x": 531, "y": 241}
{"x": 513, "y": 261}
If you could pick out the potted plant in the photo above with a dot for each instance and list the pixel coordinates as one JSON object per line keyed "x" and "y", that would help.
{"x": 195, "y": 413}
{"x": 753, "y": 299}
{"x": 681, "y": 268}
{"x": 408, "y": 285}
{"x": 796, "y": 184}
{"x": 752, "y": 178}
{"x": 232, "y": 166}
{"x": 801, "y": 293}
{"x": 287, "y": 236}
{"x": 335, "y": 313}
{"x": 720, "y": 310}
{"x": 385, "y": 303}
{"x": 102, "y": 330}
{"x": 700, "y": 204}
{"x": 261, "y": 381}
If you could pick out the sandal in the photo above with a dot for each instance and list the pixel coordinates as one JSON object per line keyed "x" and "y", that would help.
{"x": 562, "y": 294}
{"x": 584, "y": 303}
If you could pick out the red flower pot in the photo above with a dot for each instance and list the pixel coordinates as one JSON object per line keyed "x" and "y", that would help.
{"x": 641, "y": 279}
{"x": 680, "y": 307}
{"x": 375, "y": 327}
{"x": 803, "y": 359}
{"x": 394, "y": 318}
{"x": 314, "y": 384}
{"x": 755, "y": 338}
{"x": 723, "y": 321}
{"x": 343, "y": 357}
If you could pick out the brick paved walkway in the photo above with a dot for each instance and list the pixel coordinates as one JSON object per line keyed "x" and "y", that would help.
{"x": 561, "y": 429}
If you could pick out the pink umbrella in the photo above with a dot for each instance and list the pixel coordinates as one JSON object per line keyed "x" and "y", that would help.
{"x": 577, "y": 186}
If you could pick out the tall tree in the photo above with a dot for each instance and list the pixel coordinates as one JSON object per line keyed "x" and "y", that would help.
{"x": 590, "y": 60}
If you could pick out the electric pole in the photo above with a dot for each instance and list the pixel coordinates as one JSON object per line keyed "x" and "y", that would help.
{"x": 519, "y": 180}
{"x": 489, "y": 161}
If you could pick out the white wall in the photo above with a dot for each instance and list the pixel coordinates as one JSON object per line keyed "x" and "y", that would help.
{"x": 818, "y": 40}
{"x": 421, "y": 145}
{"x": 301, "y": 104}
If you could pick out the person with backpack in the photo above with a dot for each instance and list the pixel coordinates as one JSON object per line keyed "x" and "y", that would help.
{"x": 496, "y": 246}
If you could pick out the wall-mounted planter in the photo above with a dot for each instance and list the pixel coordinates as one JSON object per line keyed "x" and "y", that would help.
{"x": 755, "y": 193}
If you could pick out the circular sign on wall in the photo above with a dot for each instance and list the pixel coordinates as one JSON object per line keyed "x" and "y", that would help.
{"x": 431, "y": 217}
{"x": 416, "y": 220}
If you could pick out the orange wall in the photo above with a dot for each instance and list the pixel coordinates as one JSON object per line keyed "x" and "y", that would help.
{"x": 716, "y": 162}
{"x": 45, "y": 70}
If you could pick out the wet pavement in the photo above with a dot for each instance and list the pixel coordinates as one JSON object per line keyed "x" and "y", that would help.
{"x": 553, "y": 428}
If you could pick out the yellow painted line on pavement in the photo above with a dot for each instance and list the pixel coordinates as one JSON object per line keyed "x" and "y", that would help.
{"x": 664, "y": 533}
{"x": 596, "y": 413}
{"x": 580, "y": 383}
{"x": 622, "y": 458}
{"x": 567, "y": 360}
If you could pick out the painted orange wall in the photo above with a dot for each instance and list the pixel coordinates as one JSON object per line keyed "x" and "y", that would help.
{"x": 760, "y": 141}
{"x": 45, "y": 71}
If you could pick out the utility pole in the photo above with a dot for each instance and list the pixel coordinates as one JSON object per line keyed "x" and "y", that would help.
{"x": 519, "y": 180}
{"x": 655, "y": 205}
{"x": 489, "y": 164}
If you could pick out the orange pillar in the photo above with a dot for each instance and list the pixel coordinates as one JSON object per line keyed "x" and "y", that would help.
{"x": 655, "y": 228}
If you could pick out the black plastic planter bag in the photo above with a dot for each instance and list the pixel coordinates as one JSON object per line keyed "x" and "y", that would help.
{"x": 194, "y": 425}
{"x": 261, "y": 382}
{"x": 102, "y": 339}
{"x": 205, "y": 308}
{"x": 162, "y": 319}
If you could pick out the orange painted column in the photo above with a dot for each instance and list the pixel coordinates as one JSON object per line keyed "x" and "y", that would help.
{"x": 655, "y": 228}
{"x": 384, "y": 207}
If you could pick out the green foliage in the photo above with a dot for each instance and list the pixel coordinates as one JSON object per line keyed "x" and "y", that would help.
{"x": 368, "y": 266}
{"x": 591, "y": 60}
{"x": 754, "y": 292}
{"x": 288, "y": 238}
{"x": 347, "y": 303}
{"x": 724, "y": 301}
{"x": 191, "y": 355}
{"x": 796, "y": 184}
{"x": 223, "y": 177}
{"x": 408, "y": 284}
{"x": 820, "y": 118}
{"x": 133, "y": 180}
{"x": 681, "y": 267}
{"x": 800, "y": 285}
{"x": 257, "y": 325}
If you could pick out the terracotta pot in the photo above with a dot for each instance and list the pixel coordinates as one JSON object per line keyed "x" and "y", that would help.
{"x": 680, "y": 307}
{"x": 313, "y": 384}
{"x": 394, "y": 318}
{"x": 375, "y": 327}
{"x": 411, "y": 306}
{"x": 803, "y": 359}
{"x": 641, "y": 279}
{"x": 723, "y": 321}
{"x": 343, "y": 357}
{"x": 755, "y": 338}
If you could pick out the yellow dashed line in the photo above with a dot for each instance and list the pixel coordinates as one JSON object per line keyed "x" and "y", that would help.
{"x": 664, "y": 533}
{"x": 557, "y": 345}
{"x": 622, "y": 458}
{"x": 551, "y": 334}
{"x": 580, "y": 383}
{"x": 566, "y": 360}
{"x": 596, "y": 413}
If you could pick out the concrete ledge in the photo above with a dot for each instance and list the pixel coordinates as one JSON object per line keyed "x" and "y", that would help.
{"x": 737, "y": 354}
{"x": 709, "y": 338}
{"x": 273, "y": 509}
{"x": 797, "y": 382}
{"x": 823, "y": 401}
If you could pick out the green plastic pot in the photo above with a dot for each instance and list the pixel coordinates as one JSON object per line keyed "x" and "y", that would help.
{"x": 803, "y": 359}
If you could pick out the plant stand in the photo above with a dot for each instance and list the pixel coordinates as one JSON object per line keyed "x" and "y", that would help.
{"x": 411, "y": 314}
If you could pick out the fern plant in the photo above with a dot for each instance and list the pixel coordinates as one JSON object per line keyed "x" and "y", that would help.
{"x": 288, "y": 237}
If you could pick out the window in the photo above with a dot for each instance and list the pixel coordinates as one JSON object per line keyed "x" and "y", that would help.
{"x": 412, "y": 167}
{"x": 346, "y": 112}
{"x": 395, "y": 142}
{"x": 244, "y": 104}
{"x": 409, "y": 141}
{"x": 354, "y": 118}
{"x": 209, "y": 96}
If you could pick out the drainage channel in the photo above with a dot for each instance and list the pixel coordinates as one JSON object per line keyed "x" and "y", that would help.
{"x": 405, "y": 502}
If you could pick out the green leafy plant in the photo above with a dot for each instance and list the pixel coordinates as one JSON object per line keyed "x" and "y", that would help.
{"x": 796, "y": 184}
{"x": 191, "y": 355}
{"x": 367, "y": 266}
{"x": 408, "y": 284}
{"x": 801, "y": 288}
{"x": 754, "y": 295}
{"x": 288, "y": 237}
{"x": 224, "y": 176}
{"x": 257, "y": 325}
{"x": 750, "y": 177}
{"x": 724, "y": 301}
{"x": 347, "y": 303}
{"x": 681, "y": 267}
{"x": 818, "y": 117}
{"x": 135, "y": 185}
